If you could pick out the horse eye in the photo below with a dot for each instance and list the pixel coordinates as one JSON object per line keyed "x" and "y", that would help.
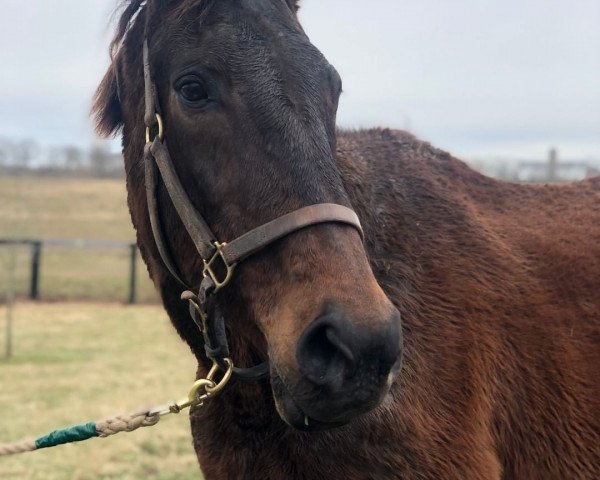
{"x": 193, "y": 92}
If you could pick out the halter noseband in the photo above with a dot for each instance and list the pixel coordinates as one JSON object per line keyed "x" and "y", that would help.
{"x": 203, "y": 307}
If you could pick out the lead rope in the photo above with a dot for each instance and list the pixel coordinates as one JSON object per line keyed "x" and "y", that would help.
{"x": 201, "y": 391}
{"x": 84, "y": 431}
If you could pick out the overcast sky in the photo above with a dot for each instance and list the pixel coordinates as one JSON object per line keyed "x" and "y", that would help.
{"x": 476, "y": 77}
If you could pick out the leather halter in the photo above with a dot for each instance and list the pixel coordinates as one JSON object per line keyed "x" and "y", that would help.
{"x": 203, "y": 308}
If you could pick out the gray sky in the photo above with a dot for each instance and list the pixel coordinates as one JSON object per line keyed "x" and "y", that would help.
{"x": 476, "y": 77}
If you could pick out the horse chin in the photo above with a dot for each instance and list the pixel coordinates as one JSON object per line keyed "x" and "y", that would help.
{"x": 292, "y": 414}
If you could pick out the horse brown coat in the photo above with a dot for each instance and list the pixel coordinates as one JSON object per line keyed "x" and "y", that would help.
{"x": 498, "y": 285}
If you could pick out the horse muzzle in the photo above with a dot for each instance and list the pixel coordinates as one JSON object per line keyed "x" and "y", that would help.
{"x": 345, "y": 369}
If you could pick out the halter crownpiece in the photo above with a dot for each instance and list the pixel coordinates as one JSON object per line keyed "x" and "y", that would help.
{"x": 203, "y": 307}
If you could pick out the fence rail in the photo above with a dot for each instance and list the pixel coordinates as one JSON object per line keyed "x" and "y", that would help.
{"x": 37, "y": 247}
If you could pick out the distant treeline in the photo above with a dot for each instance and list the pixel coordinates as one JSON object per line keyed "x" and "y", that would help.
{"x": 27, "y": 157}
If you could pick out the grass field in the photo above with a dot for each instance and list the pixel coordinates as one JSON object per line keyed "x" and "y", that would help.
{"x": 80, "y": 362}
{"x": 64, "y": 208}
{"x": 58, "y": 208}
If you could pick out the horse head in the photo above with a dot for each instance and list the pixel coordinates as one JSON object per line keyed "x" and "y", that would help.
{"x": 249, "y": 107}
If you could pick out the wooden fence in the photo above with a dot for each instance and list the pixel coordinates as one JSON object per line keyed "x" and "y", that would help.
{"x": 37, "y": 247}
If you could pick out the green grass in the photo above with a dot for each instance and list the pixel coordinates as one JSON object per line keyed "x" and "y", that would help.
{"x": 57, "y": 208}
{"x": 81, "y": 362}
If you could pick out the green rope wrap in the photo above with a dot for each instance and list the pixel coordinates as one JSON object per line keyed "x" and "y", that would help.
{"x": 76, "y": 433}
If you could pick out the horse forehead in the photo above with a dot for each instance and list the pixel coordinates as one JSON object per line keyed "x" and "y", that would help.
{"x": 259, "y": 46}
{"x": 264, "y": 13}
{"x": 258, "y": 37}
{"x": 253, "y": 22}
{"x": 270, "y": 9}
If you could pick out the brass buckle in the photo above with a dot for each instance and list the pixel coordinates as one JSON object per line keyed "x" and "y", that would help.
{"x": 208, "y": 268}
{"x": 161, "y": 132}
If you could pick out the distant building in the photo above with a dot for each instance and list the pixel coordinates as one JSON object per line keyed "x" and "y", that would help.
{"x": 553, "y": 170}
{"x": 537, "y": 171}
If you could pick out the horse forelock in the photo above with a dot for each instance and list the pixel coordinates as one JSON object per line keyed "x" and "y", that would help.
{"x": 136, "y": 19}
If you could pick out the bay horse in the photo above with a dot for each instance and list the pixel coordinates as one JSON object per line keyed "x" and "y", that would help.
{"x": 491, "y": 372}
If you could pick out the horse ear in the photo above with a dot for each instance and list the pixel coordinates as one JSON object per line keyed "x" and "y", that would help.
{"x": 106, "y": 107}
{"x": 294, "y": 4}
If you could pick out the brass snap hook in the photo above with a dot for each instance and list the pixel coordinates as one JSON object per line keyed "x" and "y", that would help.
{"x": 194, "y": 398}
{"x": 202, "y": 390}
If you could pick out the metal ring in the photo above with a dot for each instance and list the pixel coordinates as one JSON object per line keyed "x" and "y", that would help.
{"x": 226, "y": 377}
{"x": 161, "y": 132}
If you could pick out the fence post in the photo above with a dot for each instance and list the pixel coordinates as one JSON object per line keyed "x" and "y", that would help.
{"x": 132, "y": 274}
{"x": 10, "y": 297}
{"x": 36, "y": 254}
{"x": 552, "y": 166}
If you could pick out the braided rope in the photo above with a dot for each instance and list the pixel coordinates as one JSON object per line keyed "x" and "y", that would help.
{"x": 20, "y": 447}
{"x": 125, "y": 423}
{"x": 78, "y": 433}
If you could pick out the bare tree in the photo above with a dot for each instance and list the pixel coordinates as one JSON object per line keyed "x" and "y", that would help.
{"x": 23, "y": 153}
{"x": 73, "y": 157}
{"x": 100, "y": 160}
{"x": 5, "y": 152}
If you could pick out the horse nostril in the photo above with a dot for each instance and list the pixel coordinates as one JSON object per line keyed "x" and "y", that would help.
{"x": 335, "y": 340}
{"x": 323, "y": 356}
